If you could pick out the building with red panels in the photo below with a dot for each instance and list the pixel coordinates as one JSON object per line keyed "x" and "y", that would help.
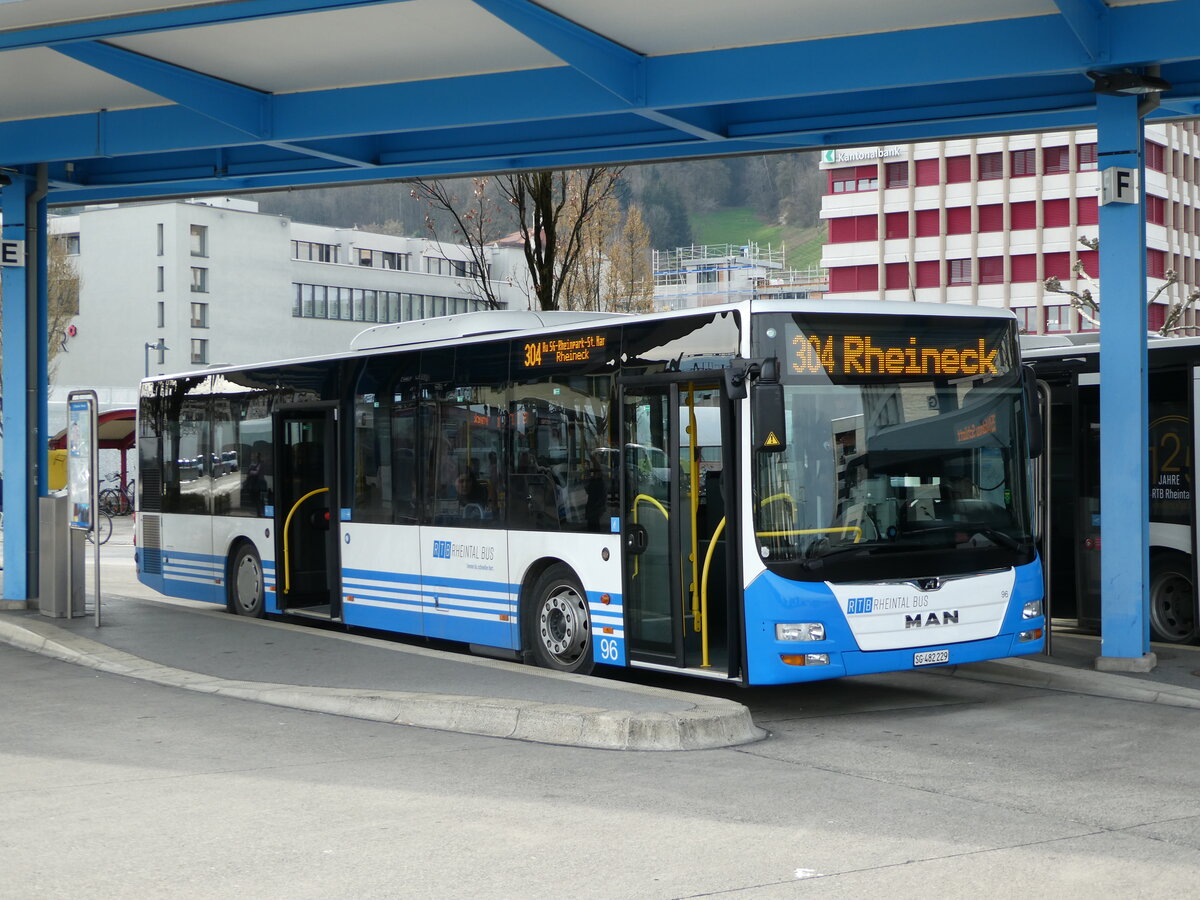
{"x": 987, "y": 220}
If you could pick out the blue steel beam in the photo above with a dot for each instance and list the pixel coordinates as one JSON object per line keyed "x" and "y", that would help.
{"x": 615, "y": 68}
{"x": 245, "y": 109}
{"x": 228, "y": 12}
{"x": 1124, "y": 467}
{"x": 1089, "y": 20}
{"x": 706, "y": 81}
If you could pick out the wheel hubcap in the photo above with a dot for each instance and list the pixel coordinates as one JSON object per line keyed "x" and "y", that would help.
{"x": 563, "y": 625}
{"x": 1172, "y": 606}
{"x": 249, "y": 583}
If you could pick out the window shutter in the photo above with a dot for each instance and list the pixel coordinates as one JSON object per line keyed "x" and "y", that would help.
{"x": 1056, "y": 213}
{"x": 1024, "y": 268}
{"x": 958, "y": 220}
{"x": 1024, "y": 215}
{"x": 991, "y": 217}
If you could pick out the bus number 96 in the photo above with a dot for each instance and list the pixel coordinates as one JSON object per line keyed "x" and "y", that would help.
{"x": 608, "y": 649}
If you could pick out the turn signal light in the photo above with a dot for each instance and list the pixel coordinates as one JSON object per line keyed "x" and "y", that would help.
{"x": 1026, "y": 636}
{"x": 805, "y": 659}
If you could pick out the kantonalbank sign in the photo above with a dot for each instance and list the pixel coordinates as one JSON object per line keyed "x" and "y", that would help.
{"x": 860, "y": 154}
{"x": 848, "y": 354}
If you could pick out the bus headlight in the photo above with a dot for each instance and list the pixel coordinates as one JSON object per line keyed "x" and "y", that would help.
{"x": 800, "y": 631}
{"x": 1032, "y": 609}
{"x": 805, "y": 659}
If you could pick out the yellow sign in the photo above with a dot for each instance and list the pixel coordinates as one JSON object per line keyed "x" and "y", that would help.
{"x": 858, "y": 355}
{"x": 556, "y": 351}
{"x": 771, "y": 441}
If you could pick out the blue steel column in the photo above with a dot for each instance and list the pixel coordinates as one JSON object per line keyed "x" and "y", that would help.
{"x": 19, "y": 467}
{"x": 1124, "y": 501}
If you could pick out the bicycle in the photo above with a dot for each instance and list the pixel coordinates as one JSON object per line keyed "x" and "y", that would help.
{"x": 102, "y": 529}
{"x": 116, "y": 501}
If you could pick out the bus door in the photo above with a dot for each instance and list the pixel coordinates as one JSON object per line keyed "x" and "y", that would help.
{"x": 307, "y": 562}
{"x": 677, "y": 561}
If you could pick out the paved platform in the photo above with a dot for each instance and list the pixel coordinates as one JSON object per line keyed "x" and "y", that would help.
{"x": 200, "y": 647}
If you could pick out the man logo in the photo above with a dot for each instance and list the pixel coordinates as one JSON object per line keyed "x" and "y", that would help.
{"x": 441, "y": 549}
{"x": 859, "y": 605}
{"x": 949, "y": 617}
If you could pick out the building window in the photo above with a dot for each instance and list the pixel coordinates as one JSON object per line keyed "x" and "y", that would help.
{"x": 162, "y": 314}
{"x": 1087, "y": 211}
{"x": 1156, "y": 210}
{"x": 1087, "y": 157}
{"x": 1154, "y": 156}
{"x": 896, "y": 225}
{"x": 853, "y": 178}
{"x": 1024, "y": 268}
{"x": 928, "y": 273}
{"x": 1057, "y": 265}
{"x": 991, "y": 166}
{"x": 315, "y": 252}
{"x": 845, "y": 279}
{"x": 199, "y": 351}
{"x": 1026, "y": 319}
{"x": 928, "y": 224}
{"x": 991, "y": 217}
{"x": 959, "y": 271}
{"x": 1056, "y": 213}
{"x": 161, "y": 279}
{"x": 958, "y": 220}
{"x": 711, "y": 274}
{"x": 958, "y": 169}
{"x": 199, "y": 238}
{"x": 928, "y": 172}
{"x": 1024, "y": 162}
{"x": 991, "y": 270}
{"x": 1058, "y": 318}
{"x": 850, "y": 228}
{"x": 199, "y": 280}
{"x": 896, "y": 175}
{"x": 199, "y": 315}
{"x": 1056, "y": 160}
{"x": 1156, "y": 263}
{"x": 386, "y": 259}
{"x": 897, "y": 276}
{"x": 1023, "y": 215}
{"x": 69, "y": 243}
{"x": 160, "y": 239}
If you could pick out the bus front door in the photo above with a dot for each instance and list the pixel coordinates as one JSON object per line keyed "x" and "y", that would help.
{"x": 676, "y": 596}
{"x": 306, "y": 503}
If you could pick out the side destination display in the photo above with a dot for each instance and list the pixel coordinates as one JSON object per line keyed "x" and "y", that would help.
{"x": 565, "y": 350}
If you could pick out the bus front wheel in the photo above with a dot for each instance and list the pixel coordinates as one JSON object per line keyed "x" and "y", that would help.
{"x": 1172, "y": 599}
{"x": 246, "y": 593}
{"x": 557, "y": 622}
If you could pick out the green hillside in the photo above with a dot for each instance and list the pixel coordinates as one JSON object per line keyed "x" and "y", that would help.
{"x": 738, "y": 225}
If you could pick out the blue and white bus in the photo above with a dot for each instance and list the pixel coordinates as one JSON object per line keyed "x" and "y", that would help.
{"x": 766, "y": 492}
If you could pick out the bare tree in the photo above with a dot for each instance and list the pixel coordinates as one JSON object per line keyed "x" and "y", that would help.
{"x": 552, "y": 211}
{"x": 476, "y": 223}
{"x": 1086, "y": 301}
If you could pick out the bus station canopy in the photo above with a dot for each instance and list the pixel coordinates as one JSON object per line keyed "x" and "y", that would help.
{"x": 126, "y": 99}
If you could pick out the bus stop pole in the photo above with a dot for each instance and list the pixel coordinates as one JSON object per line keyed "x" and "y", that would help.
{"x": 1124, "y": 467}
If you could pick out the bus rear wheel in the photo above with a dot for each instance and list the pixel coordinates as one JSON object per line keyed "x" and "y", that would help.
{"x": 245, "y": 586}
{"x": 558, "y": 625}
{"x": 1172, "y": 600}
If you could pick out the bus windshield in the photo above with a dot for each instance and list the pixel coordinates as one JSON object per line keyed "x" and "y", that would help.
{"x": 904, "y": 454}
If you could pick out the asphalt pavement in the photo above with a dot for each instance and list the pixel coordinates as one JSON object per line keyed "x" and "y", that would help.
{"x": 199, "y": 647}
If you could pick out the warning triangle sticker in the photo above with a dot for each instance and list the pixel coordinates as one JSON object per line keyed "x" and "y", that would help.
{"x": 771, "y": 440}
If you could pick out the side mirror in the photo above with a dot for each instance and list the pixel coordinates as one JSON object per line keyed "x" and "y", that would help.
{"x": 768, "y": 422}
{"x": 1033, "y": 407}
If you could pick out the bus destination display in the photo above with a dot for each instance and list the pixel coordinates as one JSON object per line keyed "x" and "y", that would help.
{"x": 852, "y": 355}
{"x": 557, "y": 351}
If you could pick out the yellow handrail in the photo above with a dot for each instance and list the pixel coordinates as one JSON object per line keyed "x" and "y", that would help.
{"x": 636, "y": 500}
{"x": 846, "y": 529}
{"x": 704, "y": 663}
{"x": 287, "y": 569}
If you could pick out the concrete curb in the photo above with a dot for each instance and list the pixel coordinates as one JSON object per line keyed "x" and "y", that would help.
{"x": 1032, "y": 673}
{"x": 712, "y": 722}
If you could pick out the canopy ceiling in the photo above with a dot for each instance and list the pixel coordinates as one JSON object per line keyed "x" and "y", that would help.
{"x": 140, "y": 99}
